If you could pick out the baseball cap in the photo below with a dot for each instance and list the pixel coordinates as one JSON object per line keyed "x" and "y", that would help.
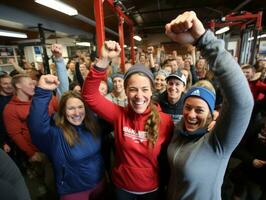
{"x": 178, "y": 74}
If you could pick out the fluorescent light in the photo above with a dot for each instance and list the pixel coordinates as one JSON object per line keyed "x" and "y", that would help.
{"x": 138, "y": 38}
{"x": 12, "y": 34}
{"x": 135, "y": 47}
{"x": 87, "y": 44}
{"x": 222, "y": 30}
{"x": 59, "y": 6}
{"x": 260, "y": 36}
{"x": 125, "y": 46}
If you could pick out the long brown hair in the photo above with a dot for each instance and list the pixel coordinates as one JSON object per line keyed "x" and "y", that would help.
{"x": 152, "y": 123}
{"x": 70, "y": 133}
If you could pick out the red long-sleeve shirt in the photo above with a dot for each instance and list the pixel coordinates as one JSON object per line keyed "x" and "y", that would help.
{"x": 15, "y": 119}
{"x": 136, "y": 166}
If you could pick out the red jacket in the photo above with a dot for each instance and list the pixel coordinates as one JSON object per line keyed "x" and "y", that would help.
{"x": 15, "y": 119}
{"x": 258, "y": 89}
{"x": 136, "y": 166}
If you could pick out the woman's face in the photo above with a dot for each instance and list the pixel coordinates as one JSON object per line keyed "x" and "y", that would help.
{"x": 160, "y": 82}
{"x": 200, "y": 66}
{"x": 139, "y": 92}
{"x": 75, "y": 111}
{"x": 195, "y": 113}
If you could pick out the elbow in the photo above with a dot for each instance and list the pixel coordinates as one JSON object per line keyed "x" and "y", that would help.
{"x": 247, "y": 103}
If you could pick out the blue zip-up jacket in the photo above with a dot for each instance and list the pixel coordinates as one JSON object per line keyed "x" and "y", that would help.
{"x": 77, "y": 168}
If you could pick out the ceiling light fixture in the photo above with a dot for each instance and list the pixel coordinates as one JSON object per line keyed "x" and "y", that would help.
{"x": 222, "y": 30}
{"x": 260, "y": 36}
{"x": 59, "y": 6}
{"x": 87, "y": 44}
{"x": 12, "y": 34}
{"x": 138, "y": 38}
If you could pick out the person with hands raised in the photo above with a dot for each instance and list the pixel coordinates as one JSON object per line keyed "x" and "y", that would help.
{"x": 61, "y": 69}
{"x": 71, "y": 141}
{"x": 198, "y": 157}
{"x": 141, "y": 130}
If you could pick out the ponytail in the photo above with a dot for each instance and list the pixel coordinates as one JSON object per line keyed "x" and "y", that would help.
{"x": 152, "y": 125}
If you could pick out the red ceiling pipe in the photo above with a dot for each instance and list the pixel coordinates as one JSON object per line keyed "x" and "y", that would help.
{"x": 132, "y": 44}
{"x": 130, "y": 23}
{"x": 259, "y": 21}
{"x": 99, "y": 19}
{"x": 237, "y": 20}
{"x": 121, "y": 42}
{"x": 118, "y": 10}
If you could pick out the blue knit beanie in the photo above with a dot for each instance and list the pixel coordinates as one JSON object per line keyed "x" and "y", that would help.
{"x": 204, "y": 94}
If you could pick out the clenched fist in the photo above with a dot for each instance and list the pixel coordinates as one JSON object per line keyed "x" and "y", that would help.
{"x": 48, "y": 82}
{"x": 56, "y": 50}
{"x": 185, "y": 29}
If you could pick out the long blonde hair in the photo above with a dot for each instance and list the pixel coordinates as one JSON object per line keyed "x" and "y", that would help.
{"x": 61, "y": 121}
{"x": 152, "y": 124}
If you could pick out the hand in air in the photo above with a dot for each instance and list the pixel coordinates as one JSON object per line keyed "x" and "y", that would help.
{"x": 110, "y": 49}
{"x": 185, "y": 29}
{"x": 48, "y": 82}
{"x": 56, "y": 50}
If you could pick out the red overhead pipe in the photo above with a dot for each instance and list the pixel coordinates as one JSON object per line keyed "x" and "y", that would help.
{"x": 121, "y": 42}
{"x": 99, "y": 19}
{"x": 130, "y": 23}
{"x": 119, "y": 11}
{"x": 238, "y": 20}
{"x": 132, "y": 44}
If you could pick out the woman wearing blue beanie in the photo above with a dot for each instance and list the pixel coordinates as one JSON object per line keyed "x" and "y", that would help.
{"x": 198, "y": 158}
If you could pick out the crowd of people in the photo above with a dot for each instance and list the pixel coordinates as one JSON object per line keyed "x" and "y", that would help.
{"x": 161, "y": 128}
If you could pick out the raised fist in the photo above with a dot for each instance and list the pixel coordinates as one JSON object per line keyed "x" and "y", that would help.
{"x": 110, "y": 49}
{"x": 185, "y": 29}
{"x": 56, "y": 50}
{"x": 48, "y": 82}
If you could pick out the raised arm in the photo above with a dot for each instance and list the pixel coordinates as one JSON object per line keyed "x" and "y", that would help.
{"x": 39, "y": 121}
{"x": 17, "y": 67}
{"x": 60, "y": 68}
{"x": 238, "y": 104}
{"x": 90, "y": 91}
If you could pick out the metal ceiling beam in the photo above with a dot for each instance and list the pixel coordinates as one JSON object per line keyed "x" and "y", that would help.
{"x": 240, "y": 6}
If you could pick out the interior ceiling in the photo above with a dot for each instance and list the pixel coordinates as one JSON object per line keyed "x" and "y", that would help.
{"x": 149, "y": 16}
